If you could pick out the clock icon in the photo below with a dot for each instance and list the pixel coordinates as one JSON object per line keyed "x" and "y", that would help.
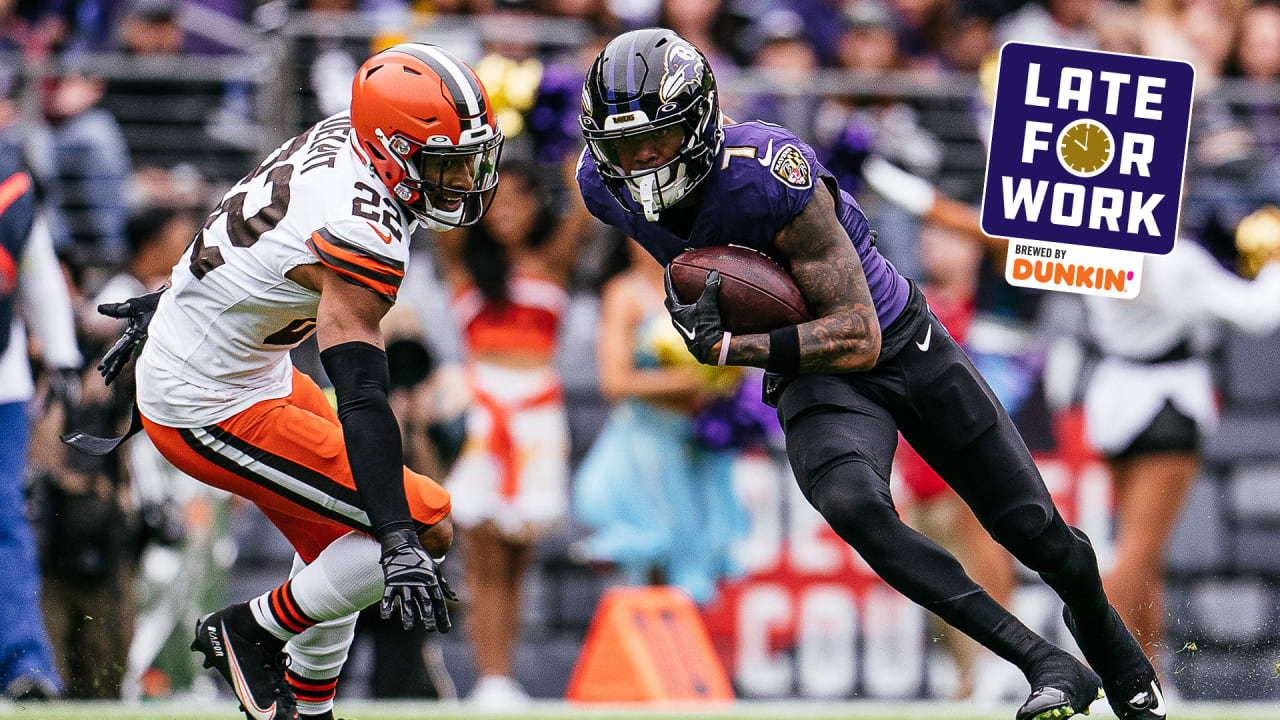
{"x": 1085, "y": 148}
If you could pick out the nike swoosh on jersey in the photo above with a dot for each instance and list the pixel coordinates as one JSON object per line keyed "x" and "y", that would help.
{"x": 242, "y": 688}
{"x": 768, "y": 154}
{"x": 928, "y": 337}
{"x": 385, "y": 237}
{"x": 687, "y": 333}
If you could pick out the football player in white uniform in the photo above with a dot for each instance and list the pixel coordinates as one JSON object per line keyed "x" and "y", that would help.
{"x": 316, "y": 239}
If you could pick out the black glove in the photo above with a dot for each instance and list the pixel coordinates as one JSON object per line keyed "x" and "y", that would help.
{"x": 414, "y": 584}
{"x": 64, "y": 388}
{"x": 698, "y": 322}
{"x": 137, "y": 312}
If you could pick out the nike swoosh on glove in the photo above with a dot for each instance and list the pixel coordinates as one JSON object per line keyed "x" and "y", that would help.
{"x": 414, "y": 587}
{"x": 697, "y": 322}
{"x": 137, "y": 313}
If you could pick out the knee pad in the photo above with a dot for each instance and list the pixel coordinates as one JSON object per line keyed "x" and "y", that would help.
{"x": 1036, "y": 535}
{"x": 828, "y": 424}
{"x": 1043, "y": 541}
{"x": 824, "y": 454}
{"x": 1022, "y": 524}
{"x": 854, "y": 501}
{"x": 1079, "y": 535}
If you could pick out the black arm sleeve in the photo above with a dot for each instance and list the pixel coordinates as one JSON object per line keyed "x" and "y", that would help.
{"x": 360, "y": 380}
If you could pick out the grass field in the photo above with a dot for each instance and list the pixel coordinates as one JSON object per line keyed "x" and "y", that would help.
{"x": 546, "y": 711}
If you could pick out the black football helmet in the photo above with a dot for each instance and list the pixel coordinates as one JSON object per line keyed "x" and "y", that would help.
{"x": 646, "y": 80}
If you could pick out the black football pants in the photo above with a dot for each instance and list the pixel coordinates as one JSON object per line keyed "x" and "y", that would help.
{"x": 841, "y": 434}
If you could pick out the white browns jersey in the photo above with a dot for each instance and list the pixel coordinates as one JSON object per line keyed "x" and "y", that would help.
{"x": 220, "y": 339}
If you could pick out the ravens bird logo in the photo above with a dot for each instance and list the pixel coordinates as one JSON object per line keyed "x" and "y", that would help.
{"x": 682, "y": 68}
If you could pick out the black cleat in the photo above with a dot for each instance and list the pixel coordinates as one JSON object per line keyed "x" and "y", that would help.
{"x": 1147, "y": 704}
{"x": 1060, "y": 688}
{"x": 253, "y": 665}
{"x": 1133, "y": 690}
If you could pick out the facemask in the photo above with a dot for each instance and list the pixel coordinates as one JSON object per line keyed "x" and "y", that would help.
{"x": 657, "y": 191}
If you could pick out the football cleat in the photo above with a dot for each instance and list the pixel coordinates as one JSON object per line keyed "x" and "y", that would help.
{"x": 1146, "y": 703}
{"x": 1060, "y": 688}
{"x": 254, "y": 666}
{"x": 1133, "y": 690}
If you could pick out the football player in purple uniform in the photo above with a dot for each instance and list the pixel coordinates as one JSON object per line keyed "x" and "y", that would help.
{"x": 664, "y": 167}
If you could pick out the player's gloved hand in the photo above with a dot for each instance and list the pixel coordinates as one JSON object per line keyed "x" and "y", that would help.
{"x": 414, "y": 586}
{"x": 137, "y": 313}
{"x": 697, "y": 322}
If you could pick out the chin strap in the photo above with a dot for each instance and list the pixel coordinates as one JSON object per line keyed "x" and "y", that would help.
{"x": 431, "y": 223}
{"x": 645, "y": 186}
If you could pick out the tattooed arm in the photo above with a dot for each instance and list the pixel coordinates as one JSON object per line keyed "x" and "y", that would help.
{"x": 845, "y": 337}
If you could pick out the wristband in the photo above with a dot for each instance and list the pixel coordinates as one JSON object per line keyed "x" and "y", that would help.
{"x": 395, "y": 534}
{"x": 724, "y": 348}
{"x": 784, "y": 351}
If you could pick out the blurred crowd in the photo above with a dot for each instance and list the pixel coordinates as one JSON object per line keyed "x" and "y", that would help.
{"x": 534, "y": 366}
{"x": 103, "y": 94}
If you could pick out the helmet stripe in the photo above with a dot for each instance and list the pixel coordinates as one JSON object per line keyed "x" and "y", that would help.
{"x": 631, "y": 73}
{"x": 468, "y": 86}
{"x": 633, "y": 88}
{"x": 617, "y": 79}
{"x": 463, "y": 88}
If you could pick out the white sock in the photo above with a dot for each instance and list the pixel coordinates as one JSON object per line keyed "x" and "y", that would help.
{"x": 344, "y": 579}
{"x": 316, "y": 658}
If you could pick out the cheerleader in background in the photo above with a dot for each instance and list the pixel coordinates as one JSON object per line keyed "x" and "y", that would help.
{"x": 509, "y": 276}
{"x": 656, "y": 487}
{"x": 1151, "y": 400}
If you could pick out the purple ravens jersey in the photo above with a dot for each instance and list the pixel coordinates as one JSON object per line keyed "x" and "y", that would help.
{"x": 763, "y": 178}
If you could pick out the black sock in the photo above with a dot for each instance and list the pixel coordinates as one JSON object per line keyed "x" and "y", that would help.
{"x": 979, "y": 616}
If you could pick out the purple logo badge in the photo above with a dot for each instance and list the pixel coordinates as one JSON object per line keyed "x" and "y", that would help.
{"x": 1087, "y": 148}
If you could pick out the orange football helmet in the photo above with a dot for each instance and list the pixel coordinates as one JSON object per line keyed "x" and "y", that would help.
{"x": 424, "y": 124}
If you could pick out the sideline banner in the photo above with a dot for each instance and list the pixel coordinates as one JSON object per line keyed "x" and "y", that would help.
{"x": 810, "y": 619}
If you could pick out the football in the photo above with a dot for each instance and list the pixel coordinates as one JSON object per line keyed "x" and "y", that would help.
{"x": 756, "y": 294}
